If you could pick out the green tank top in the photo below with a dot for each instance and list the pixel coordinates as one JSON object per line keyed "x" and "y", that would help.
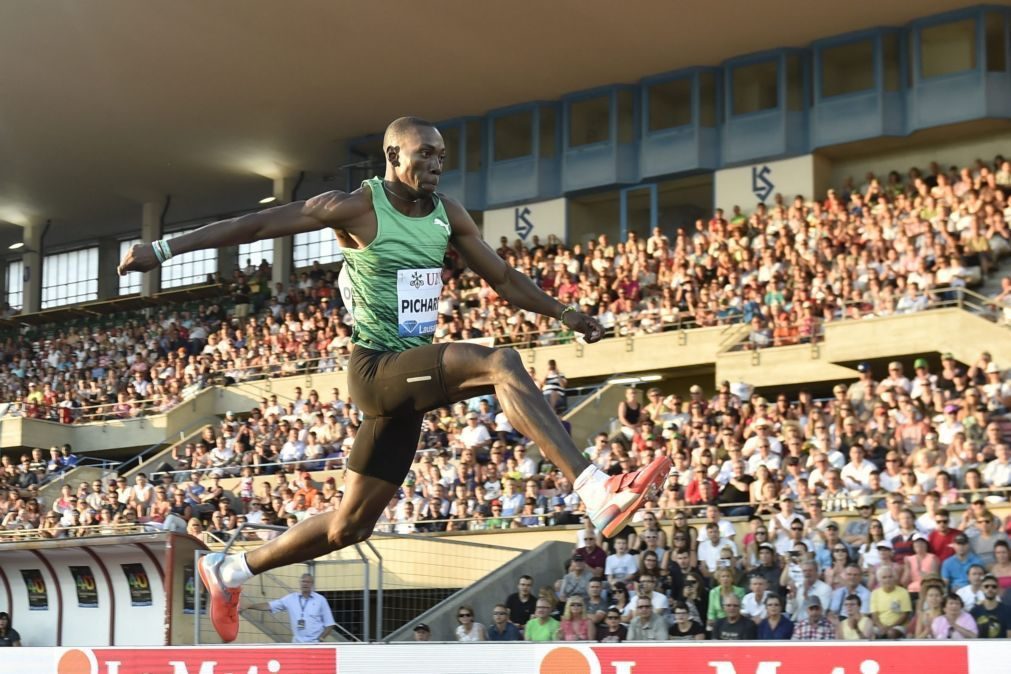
{"x": 392, "y": 286}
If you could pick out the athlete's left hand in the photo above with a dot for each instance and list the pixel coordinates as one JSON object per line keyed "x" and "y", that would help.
{"x": 587, "y": 326}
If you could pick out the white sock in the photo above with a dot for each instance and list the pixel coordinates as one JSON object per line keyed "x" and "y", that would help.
{"x": 234, "y": 570}
{"x": 590, "y": 487}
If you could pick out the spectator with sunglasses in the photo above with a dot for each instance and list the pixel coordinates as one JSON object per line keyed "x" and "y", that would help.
{"x": 647, "y": 625}
{"x": 469, "y": 629}
{"x": 502, "y": 629}
{"x": 992, "y": 615}
{"x": 614, "y": 631}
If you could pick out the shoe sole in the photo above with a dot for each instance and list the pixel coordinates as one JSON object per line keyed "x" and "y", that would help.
{"x": 207, "y": 581}
{"x": 622, "y": 516}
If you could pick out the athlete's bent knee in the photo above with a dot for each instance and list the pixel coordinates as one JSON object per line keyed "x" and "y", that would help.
{"x": 344, "y": 533}
{"x": 506, "y": 364}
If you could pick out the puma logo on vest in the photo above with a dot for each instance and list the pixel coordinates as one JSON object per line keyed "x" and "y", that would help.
{"x": 441, "y": 223}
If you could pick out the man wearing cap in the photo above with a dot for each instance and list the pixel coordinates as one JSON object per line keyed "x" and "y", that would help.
{"x": 993, "y": 617}
{"x": 815, "y": 626}
{"x": 422, "y": 632}
{"x": 576, "y": 581}
{"x": 475, "y": 435}
{"x": 923, "y": 381}
{"x": 857, "y": 391}
{"x": 955, "y": 569}
{"x": 768, "y": 567}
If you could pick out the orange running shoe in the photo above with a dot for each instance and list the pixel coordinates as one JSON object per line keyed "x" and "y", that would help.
{"x": 224, "y": 601}
{"x": 627, "y": 493}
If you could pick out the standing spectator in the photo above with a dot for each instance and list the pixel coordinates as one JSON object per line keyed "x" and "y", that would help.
{"x": 468, "y": 629}
{"x": 646, "y": 625}
{"x": 541, "y": 627}
{"x": 955, "y": 622}
{"x": 775, "y": 626}
{"x": 575, "y": 625}
{"x": 993, "y": 616}
{"x": 891, "y": 606}
{"x": 308, "y": 612}
{"x": 614, "y": 630}
{"x": 734, "y": 626}
{"x": 502, "y": 629}
{"x": 522, "y": 603}
{"x": 753, "y": 603}
{"x": 815, "y": 627}
{"x": 8, "y": 635}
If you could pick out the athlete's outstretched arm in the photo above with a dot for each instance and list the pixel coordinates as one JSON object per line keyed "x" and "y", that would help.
{"x": 515, "y": 287}
{"x": 330, "y": 209}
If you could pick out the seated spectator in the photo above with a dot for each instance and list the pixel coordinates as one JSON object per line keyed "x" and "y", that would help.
{"x": 891, "y": 606}
{"x": 575, "y": 625}
{"x": 955, "y": 569}
{"x": 955, "y": 622}
{"x": 576, "y": 581}
{"x": 684, "y": 628}
{"x": 613, "y": 631}
{"x": 992, "y": 615}
{"x": 855, "y": 625}
{"x": 734, "y": 626}
{"x": 523, "y": 602}
{"x": 469, "y": 629}
{"x": 501, "y": 629}
{"x": 647, "y": 625}
{"x": 541, "y": 627}
{"x": 816, "y": 626}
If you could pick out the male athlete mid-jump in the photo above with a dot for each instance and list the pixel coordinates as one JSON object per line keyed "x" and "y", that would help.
{"x": 393, "y": 232}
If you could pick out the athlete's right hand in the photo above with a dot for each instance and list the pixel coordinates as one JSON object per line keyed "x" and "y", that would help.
{"x": 591, "y": 330}
{"x": 140, "y": 258}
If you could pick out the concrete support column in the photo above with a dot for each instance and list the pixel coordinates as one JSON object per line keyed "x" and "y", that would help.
{"x": 281, "y": 265}
{"x": 150, "y": 231}
{"x": 108, "y": 260}
{"x": 32, "y": 258}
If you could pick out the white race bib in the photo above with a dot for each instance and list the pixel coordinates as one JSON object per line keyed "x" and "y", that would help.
{"x": 418, "y": 293}
{"x": 344, "y": 285}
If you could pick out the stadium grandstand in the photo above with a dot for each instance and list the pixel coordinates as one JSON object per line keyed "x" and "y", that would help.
{"x": 792, "y": 224}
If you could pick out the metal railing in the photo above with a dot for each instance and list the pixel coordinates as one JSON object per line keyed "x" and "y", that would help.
{"x": 943, "y": 297}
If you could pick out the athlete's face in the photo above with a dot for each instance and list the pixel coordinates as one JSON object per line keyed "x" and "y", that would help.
{"x": 422, "y": 153}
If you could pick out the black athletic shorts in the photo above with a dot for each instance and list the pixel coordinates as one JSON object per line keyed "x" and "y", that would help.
{"x": 393, "y": 389}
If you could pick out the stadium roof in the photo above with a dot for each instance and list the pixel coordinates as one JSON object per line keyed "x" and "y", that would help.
{"x": 105, "y": 104}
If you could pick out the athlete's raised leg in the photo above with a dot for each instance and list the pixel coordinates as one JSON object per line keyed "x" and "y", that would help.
{"x": 469, "y": 370}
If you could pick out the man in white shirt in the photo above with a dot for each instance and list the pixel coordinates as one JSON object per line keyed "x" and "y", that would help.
{"x": 475, "y": 435}
{"x": 308, "y": 611}
{"x": 997, "y": 473}
{"x": 646, "y": 586}
{"x": 709, "y": 549}
{"x": 857, "y": 473}
{"x": 753, "y": 604}
{"x": 620, "y": 565}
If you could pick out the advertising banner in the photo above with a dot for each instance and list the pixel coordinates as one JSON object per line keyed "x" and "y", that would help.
{"x": 38, "y": 597}
{"x": 84, "y": 582}
{"x": 140, "y": 587}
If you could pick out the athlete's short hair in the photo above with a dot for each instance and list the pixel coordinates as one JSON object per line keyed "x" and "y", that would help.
{"x": 400, "y": 126}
